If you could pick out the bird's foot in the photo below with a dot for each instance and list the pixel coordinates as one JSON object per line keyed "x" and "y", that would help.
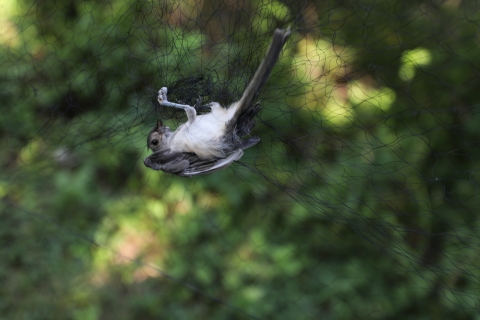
{"x": 162, "y": 95}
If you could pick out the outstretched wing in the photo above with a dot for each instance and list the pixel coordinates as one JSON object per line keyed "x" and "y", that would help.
{"x": 165, "y": 160}
{"x": 188, "y": 164}
{"x": 209, "y": 166}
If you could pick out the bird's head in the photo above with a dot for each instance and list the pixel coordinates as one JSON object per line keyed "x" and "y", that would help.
{"x": 158, "y": 137}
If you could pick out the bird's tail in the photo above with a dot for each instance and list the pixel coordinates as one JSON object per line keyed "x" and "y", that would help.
{"x": 246, "y": 104}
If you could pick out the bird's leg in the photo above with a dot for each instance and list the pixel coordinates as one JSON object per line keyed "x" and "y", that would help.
{"x": 198, "y": 102}
{"x": 199, "y": 107}
{"x": 162, "y": 99}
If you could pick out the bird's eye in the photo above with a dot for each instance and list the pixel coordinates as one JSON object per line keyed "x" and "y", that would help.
{"x": 155, "y": 142}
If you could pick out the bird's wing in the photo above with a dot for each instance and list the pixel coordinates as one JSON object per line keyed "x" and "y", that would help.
{"x": 209, "y": 166}
{"x": 188, "y": 164}
{"x": 165, "y": 160}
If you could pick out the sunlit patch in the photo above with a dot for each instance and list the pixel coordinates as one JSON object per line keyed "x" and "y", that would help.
{"x": 137, "y": 251}
{"x": 321, "y": 69}
{"x": 371, "y": 99}
{"x": 135, "y": 243}
{"x": 31, "y": 151}
{"x": 269, "y": 13}
{"x": 413, "y": 60}
{"x": 8, "y": 30}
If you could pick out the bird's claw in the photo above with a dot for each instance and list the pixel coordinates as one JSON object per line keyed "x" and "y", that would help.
{"x": 162, "y": 95}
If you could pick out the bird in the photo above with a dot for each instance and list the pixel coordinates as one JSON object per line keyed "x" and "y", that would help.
{"x": 212, "y": 141}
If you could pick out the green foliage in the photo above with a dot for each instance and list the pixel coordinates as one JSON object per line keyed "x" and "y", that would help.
{"x": 361, "y": 201}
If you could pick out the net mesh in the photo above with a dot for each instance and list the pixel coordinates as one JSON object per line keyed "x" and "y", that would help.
{"x": 360, "y": 202}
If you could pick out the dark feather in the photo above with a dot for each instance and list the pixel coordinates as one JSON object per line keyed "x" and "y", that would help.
{"x": 188, "y": 164}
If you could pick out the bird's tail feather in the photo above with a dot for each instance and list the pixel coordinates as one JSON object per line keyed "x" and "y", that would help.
{"x": 261, "y": 75}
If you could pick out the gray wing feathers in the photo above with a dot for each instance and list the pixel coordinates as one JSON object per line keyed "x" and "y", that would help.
{"x": 188, "y": 164}
{"x": 164, "y": 160}
{"x": 212, "y": 165}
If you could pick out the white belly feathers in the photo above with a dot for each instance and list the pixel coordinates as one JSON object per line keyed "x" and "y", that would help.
{"x": 204, "y": 136}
